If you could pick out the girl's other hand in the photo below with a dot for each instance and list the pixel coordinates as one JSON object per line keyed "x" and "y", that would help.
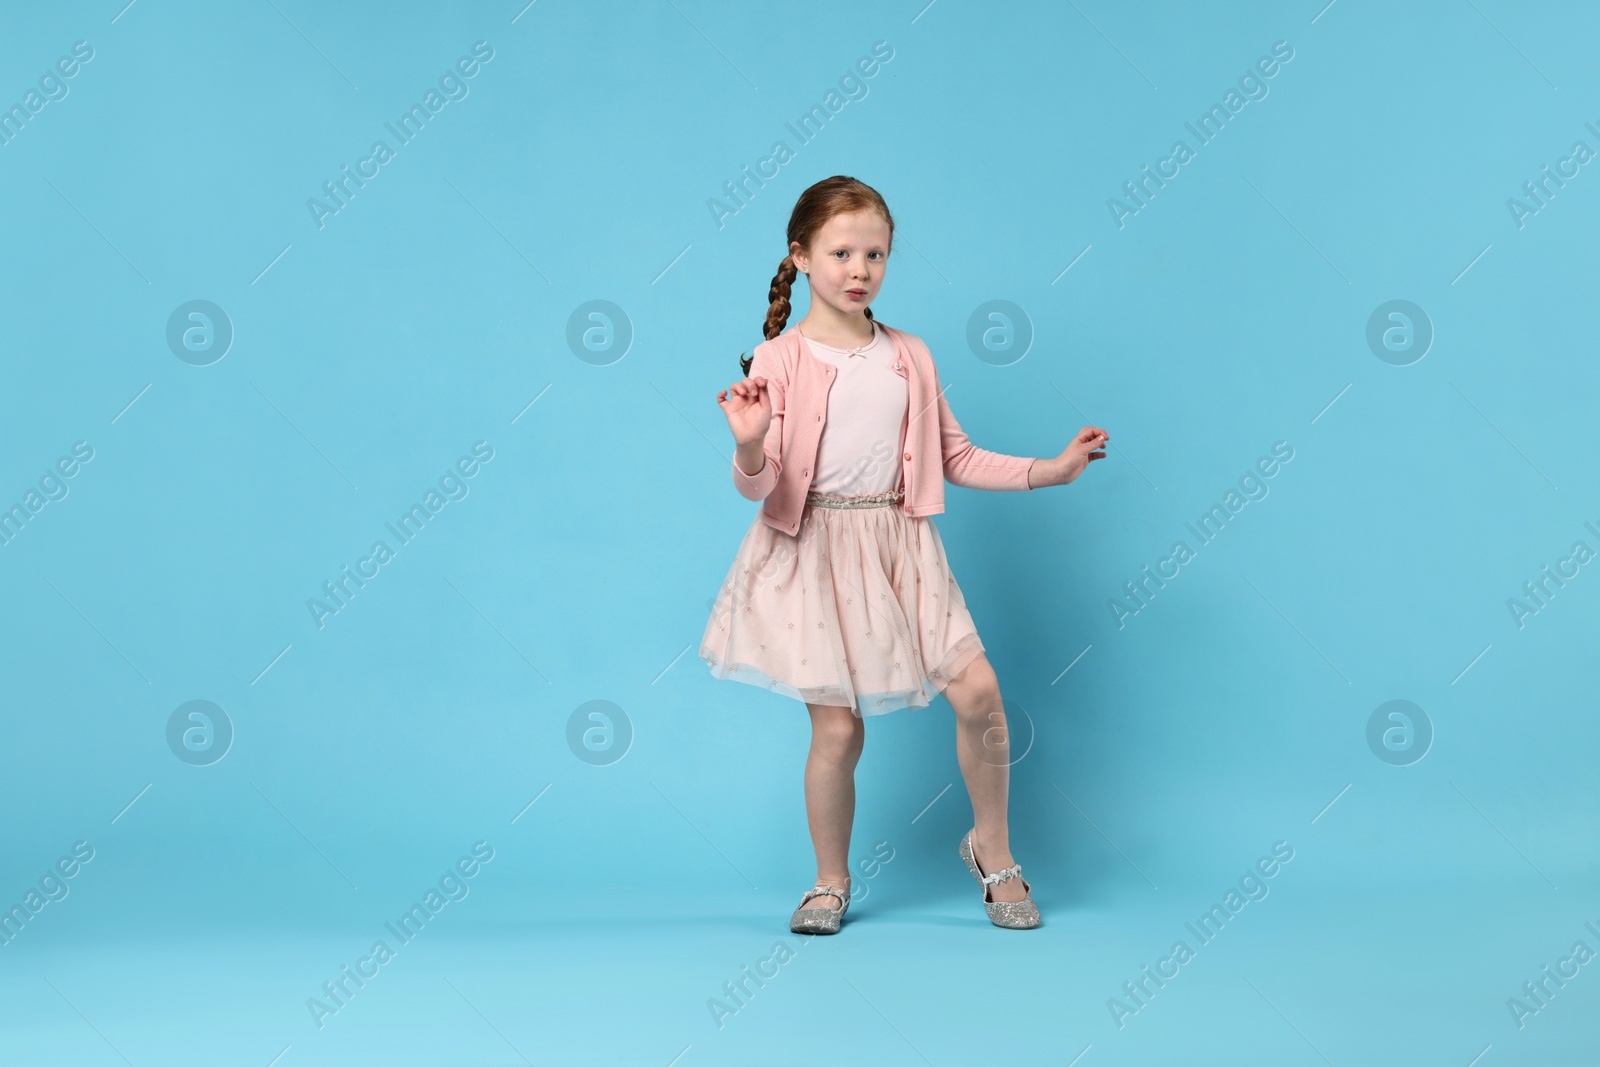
{"x": 1080, "y": 453}
{"x": 749, "y": 410}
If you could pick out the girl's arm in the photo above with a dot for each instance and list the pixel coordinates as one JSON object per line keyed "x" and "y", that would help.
{"x": 967, "y": 465}
{"x": 756, "y": 486}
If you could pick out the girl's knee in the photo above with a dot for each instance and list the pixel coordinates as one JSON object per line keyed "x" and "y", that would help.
{"x": 974, "y": 694}
{"x": 836, "y": 728}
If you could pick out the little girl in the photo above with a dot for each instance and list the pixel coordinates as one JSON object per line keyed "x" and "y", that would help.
{"x": 840, "y": 594}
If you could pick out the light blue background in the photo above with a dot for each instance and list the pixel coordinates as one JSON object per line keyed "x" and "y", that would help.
{"x": 432, "y": 312}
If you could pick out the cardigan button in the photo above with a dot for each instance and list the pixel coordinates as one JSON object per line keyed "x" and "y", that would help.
{"x": 908, "y": 455}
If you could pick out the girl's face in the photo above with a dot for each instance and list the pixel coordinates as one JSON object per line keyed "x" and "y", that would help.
{"x": 846, "y": 260}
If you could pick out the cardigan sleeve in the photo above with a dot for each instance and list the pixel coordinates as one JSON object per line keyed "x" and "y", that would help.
{"x": 765, "y": 364}
{"x": 967, "y": 465}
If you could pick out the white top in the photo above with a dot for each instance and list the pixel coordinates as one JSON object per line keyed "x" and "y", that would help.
{"x": 865, "y": 424}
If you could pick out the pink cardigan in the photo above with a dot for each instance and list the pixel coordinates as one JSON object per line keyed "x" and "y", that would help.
{"x": 935, "y": 446}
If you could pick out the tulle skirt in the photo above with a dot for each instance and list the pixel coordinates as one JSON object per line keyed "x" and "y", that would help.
{"x": 858, "y": 609}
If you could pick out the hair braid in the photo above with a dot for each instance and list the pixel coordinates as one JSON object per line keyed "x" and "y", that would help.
{"x": 778, "y": 306}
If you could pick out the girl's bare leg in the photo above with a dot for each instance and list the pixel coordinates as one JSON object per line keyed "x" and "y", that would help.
{"x": 837, "y": 736}
{"x": 983, "y": 749}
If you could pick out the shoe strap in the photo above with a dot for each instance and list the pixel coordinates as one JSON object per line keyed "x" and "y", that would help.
{"x": 1013, "y": 871}
{"x": 825, "y": 890}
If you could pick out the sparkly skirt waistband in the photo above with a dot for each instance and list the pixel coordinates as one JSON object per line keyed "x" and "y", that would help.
{"x": 864, "y": 500}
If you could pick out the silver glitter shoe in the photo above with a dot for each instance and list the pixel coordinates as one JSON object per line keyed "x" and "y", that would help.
{"x": 820, "y": 920}
{"x": 1012, "y": 914}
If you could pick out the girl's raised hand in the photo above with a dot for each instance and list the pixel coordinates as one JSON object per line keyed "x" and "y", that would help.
{"x": 748, "y": 408}
{"x": 1081, "y": 452}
